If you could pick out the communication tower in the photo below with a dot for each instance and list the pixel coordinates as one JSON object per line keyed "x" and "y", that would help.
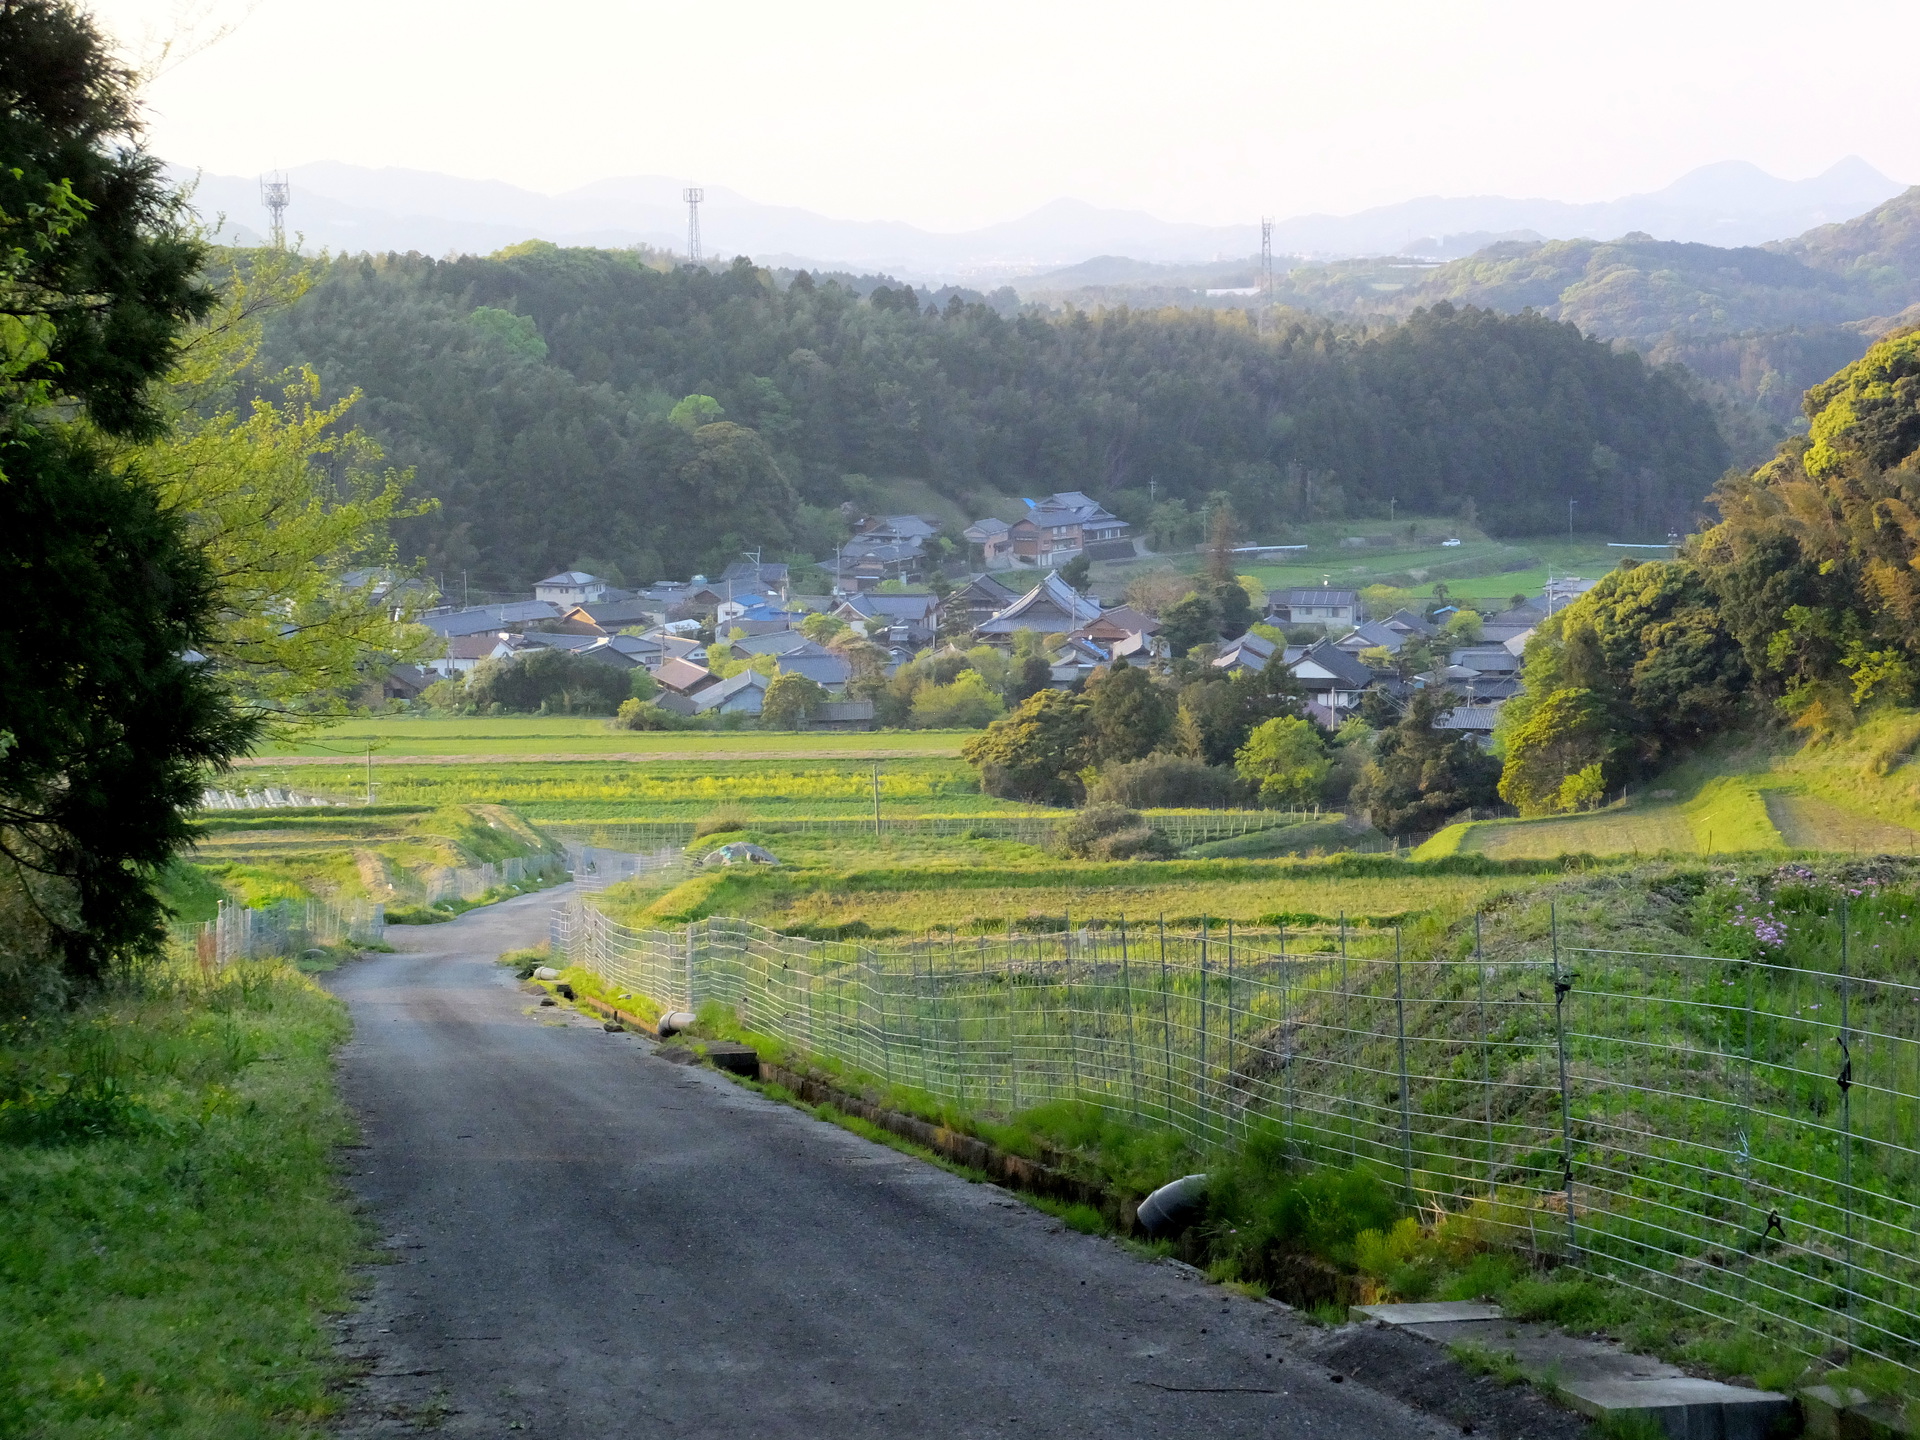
{"x": 1266, "y": 272}
{"x": 693, "y": 195}
{"x": 275, "y": 193}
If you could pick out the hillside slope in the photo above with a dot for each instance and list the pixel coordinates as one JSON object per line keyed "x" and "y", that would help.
{"x": 532, "y": 394}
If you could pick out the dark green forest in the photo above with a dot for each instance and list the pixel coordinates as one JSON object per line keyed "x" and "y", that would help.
{"x": 531, "y": 391}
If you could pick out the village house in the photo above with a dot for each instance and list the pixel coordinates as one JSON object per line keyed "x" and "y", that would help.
{"x": 1051, "y": 607}
{"x": 910, "y": 620}
{"x": 1333, "y": 680}
{"x": 570, "y": 587}
{"x": 977, "y": 598}
{"x": 993, "y": 540}
{"x": 1065, "y": 525}
{"x": 1333, "y": 609}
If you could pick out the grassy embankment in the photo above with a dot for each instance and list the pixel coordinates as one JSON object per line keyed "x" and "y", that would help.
{"x": 1857, "y": 794}
{"x": 260, "y": 857}
{"x": 839, "y": 885}
{"x": 177, "y": 1232}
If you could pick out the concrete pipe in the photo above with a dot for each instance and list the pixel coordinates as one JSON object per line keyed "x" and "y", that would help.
{"x": 1173, "y": 1207}
{"x": 546, "y": 972}
{"x": 674, "y": 1021}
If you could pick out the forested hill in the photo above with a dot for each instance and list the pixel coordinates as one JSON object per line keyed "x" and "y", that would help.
{"x": 1762, "y": 323}
{"x": 531, "y": 392}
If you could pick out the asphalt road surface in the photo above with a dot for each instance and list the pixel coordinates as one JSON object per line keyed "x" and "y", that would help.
{"x": 591, "y": 1241}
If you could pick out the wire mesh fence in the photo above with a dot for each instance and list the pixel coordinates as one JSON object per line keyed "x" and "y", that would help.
{"x": 595, "y": 868}
{"x": 471, "y": 882}
{"x": 240, "y": 932}
{"x": 1738, "y": 1136}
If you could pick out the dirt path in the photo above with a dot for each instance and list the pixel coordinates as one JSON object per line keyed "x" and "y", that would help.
{"x": 589, "y": 1241}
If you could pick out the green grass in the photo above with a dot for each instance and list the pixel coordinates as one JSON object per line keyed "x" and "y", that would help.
{"x": 683, "y": 788}
{"x": 260, "y": 857}
{"x": 1487, "y": 571}
{"x": 1856, "y": 794}
{"x": 176, "y": 1232}
{"x": 541, "y": 735}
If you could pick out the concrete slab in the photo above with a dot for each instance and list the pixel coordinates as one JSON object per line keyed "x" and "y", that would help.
{"x": 1436, "y": 1313}
{"x": 1834, "y": 1414}
{"x": 1597, "y": 1378}
{"x": 727, "y": 1055}
{"x": 1686, "y": 1408}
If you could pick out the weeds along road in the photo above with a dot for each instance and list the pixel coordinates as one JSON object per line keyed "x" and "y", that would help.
{"x": 590, "y": 1241}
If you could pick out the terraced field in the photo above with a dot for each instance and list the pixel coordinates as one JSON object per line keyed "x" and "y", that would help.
{"x": 1808, "y": 822}
{"x": 536, "y": 737}
{"x": 672, "y": 787}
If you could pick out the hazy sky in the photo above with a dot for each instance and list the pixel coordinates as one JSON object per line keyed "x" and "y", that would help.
{"x": 952, "y": 115}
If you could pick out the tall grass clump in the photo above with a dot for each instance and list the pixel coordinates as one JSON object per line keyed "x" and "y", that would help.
{"x": 176, "y": 1228}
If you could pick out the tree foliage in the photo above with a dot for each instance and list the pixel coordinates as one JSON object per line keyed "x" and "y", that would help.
{"x": 1813, "y": 564}
{"x": 108, "y": 719}
{"x": 288, "y": 502}
{"x": 1286, "y": 759}
{"x": 1037, "y": 752}
{"x": 547, "y": 680}
{"x": 790, "y": 702}
{"x": 1419, "y": 777}
{"x": 539, "y": 460}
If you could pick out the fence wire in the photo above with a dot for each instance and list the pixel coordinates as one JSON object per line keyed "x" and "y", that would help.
{"x": 1741, "y": 1137}
{"x": 239, "y": 932}
{"x": 471, "y": 882}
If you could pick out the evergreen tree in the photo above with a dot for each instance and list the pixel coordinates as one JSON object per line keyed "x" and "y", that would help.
{"x": 1132, "y": 714}
{"x": 108, "y": 720}
{"x": 1420, "y": 776}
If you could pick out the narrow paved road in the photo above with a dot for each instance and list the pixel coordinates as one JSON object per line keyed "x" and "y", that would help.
{"x": 589, "y": 1241}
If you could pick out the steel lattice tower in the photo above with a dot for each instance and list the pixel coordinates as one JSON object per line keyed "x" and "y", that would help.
{"x": 1266, "y": 272}
{"x": 275, "y": 193}
{"x": 693, "y": 195}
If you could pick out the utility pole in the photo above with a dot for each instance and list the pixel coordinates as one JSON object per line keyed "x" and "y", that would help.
{"x": 369, "y": 772}
{"x": 876, "y": 802}
{"x": 1570, "y": 505}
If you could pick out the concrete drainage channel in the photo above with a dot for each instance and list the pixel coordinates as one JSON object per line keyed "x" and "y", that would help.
{"x": 1415, "y": 1360}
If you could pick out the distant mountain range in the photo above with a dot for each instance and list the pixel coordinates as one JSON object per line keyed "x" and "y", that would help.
{"x": 351, "y": 208}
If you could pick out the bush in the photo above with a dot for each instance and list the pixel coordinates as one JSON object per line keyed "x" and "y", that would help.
{"x": 964, "y": 704}
{"x": 549, "y": 680}
{"x": 1287, "y": 759}
{"x": 1169, "y": 782}
{"x": 641, "y": 715}
{"x": 1113, "y": 832}
{"x": 726, "y": 818}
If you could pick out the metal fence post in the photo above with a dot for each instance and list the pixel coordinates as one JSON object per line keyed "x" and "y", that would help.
{"x": 1561, "y": 986}
{"x": 1406, "y": 1098}
{"x": 1166, "y": 1018}
{"x": 1205, "y": 1075}
{"x": 1229, "y": 1093}
{"x": 1486, "y": 1059}
{"x": 690, "y": 942}
{"x": 1845, "y": 1082}
{"x": 1126, "y": 995}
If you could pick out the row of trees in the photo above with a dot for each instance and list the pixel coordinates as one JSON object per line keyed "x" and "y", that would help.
{"x": 1133, "y": 740}
{"x": 534, "y": 390}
